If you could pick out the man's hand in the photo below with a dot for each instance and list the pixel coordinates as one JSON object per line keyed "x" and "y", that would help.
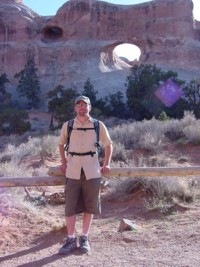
{"x": 108, "y": 153}
{"x": 105, "y": 169}
{"x": 63, "y": 168}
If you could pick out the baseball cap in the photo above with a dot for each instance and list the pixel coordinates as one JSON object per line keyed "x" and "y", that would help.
{"x": 83, "y": 98}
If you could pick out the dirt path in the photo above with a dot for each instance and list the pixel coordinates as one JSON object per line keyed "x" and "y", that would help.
{"x": 174, "y": 240}
{"x": 31, "y": 237}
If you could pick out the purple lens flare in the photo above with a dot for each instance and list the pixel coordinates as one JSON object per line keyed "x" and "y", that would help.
{"x": 169, "y": 93}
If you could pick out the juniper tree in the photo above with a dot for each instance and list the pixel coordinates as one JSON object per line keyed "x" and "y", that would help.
{"x": 4, "y": 95}
{"x": 90, "y": 92}
{"x": 28, "y": 85}
{"x": 61, "y": 104}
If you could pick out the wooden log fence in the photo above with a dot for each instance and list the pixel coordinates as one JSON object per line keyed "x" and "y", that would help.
{"x": 55, "y": 177}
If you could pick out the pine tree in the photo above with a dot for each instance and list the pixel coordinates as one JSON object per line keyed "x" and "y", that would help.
{"x": 61, "y": 104}
{"x": 90, "y": 92}
{"x": 4, "y": 95}
{"x": 29, "y": 85}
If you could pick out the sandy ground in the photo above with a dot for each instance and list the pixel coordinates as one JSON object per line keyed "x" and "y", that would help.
{"x": 27, "y": 239}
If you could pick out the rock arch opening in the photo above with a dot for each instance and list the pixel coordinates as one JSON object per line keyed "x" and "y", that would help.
{"x": 127, "y": 52}
{"x": 52, "y": 32}
{"x": 119, "y": 57}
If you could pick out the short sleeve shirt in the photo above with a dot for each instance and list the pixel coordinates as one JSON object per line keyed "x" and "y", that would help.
{"x": 82, "y": 141}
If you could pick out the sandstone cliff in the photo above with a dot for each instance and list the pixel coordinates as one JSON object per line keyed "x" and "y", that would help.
{"x": 78, "y": 41}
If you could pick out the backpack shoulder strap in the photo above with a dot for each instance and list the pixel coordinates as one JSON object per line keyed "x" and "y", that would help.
{"x": 69, "y": 131}
{"x": 70, "y": 127}
{"x": 96, "y": 128}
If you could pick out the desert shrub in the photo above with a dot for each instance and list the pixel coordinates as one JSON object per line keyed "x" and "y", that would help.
{"x": 169, "y": 187}
{"x": 150, "y": 134}
{"x": 178, "y": 129}
{"x": 146, "y": 134}
{"x": 156, "y": 160}
{"x": 123, "y": 134}
{"x": 13, "y": 121}
{"x": 119, "y": 153}
{"x": 10, "y": 169}
{"x": 151, "y": 142}
{"x": 159, "y": 192}
{"x": 48, "y": 144}
{"x": 36, "y": 146}
{"x": 192, "y": 133}
{"x": 173, "y": 129}
{"x": 188, "y": 118}
{"x": 16, "y": 159}
{"x": 14, "y": 168}
{"x": 13, "y": 139}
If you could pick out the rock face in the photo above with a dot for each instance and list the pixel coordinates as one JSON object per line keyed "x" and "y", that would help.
{"x": 78, "y": 41}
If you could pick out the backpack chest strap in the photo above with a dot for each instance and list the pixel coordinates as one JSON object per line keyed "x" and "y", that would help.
{"x": 83, "y": 129}
{"x": 89, "y": 153}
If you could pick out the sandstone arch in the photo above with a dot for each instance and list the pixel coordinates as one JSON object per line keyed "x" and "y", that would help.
{"x": 110, "y": 61}
{"x": 78, "y": 42}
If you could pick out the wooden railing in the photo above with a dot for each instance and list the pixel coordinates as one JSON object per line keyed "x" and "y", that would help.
{"x": 55, "y": 177}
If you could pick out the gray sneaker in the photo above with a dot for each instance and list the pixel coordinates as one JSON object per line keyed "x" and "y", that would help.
{"x": 69, "y": 246}
{"x": 84, "y": 244}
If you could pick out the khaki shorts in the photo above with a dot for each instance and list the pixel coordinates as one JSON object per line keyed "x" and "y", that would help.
{"x": 82, "y": 196}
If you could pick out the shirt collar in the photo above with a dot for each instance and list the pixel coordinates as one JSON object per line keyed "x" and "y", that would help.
{"x": 88, "y": 120}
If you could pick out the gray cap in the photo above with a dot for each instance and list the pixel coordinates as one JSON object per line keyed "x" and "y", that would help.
{"x": 83, "y": 98}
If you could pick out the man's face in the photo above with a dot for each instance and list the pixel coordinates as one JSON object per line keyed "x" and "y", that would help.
{"x": 82, "y": 108}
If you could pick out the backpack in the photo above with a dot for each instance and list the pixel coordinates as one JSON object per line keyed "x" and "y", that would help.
{"x": 70, "y": 128}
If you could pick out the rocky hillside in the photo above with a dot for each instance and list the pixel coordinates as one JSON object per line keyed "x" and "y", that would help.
{"x": 78, "y": 41}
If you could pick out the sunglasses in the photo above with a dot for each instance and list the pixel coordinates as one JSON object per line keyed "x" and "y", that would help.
{"x": 82, "y": 105}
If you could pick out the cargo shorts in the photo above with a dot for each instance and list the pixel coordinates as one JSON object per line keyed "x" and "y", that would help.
{"x": 82, "y": 195}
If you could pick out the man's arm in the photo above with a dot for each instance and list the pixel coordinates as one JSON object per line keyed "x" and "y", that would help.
{"x": 63, "y": 159}
{"x": 108, "y": 154}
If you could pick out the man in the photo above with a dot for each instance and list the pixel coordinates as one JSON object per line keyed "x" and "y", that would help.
{"x": 83, "y": 172}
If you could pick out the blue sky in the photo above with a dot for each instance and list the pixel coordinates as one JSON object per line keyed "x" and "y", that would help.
{"x": 49, "y": 7}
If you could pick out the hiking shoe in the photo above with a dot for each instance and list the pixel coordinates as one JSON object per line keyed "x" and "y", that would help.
{"x": 69, "y": 246}
{"x": 84, "y": 244}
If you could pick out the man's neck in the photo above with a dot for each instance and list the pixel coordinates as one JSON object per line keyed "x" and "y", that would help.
{"x": 83, "y": 119}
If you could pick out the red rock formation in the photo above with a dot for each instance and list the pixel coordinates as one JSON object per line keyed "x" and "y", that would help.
{"x": 78, "y": 41}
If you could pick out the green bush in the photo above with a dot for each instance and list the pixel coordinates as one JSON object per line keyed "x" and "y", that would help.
{"x": 163, "y": 116}
{"x": 14, "y": 121}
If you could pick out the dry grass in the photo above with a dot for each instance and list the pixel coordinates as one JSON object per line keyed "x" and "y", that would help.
{"x": 152, "y": 135}
{"x": 27, "y": 159}
{"x": 25, "y": 156}
{"x": 147, "y": 135}
{"x": 191, "y": 133}
{"x": 156, "y": 192}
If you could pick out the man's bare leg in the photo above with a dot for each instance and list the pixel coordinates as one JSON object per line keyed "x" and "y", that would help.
{"x": 83, "y": 240}
{"x": 71, "y": 241}
{"x": 70, "y": 223}
{"x": 87, "y": 220}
